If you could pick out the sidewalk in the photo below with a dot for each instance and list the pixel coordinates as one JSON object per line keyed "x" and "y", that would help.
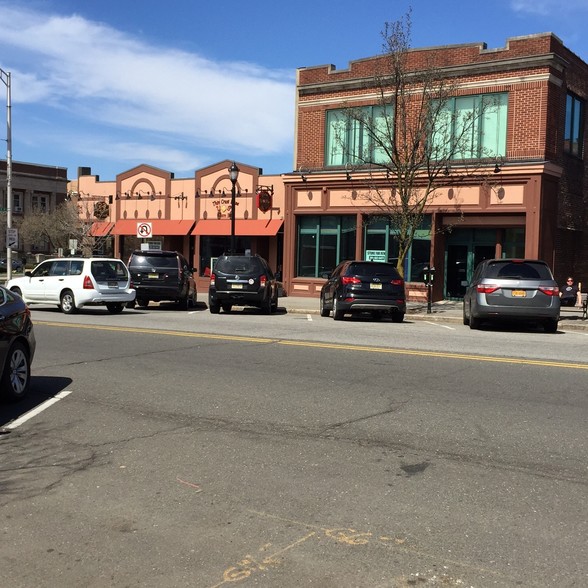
{"x": 443, "y": 310}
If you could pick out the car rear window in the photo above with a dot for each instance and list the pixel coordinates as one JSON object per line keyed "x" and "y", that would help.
{"x": 372, "y": 269}
{"x": 109, "y": 270}
{"x": 170, "y": 261}
{"x": 518, "y": 270}
{"x": 235, "y": 265}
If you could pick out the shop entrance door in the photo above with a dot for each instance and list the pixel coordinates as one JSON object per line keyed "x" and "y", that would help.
{"x": 457, "y": 267}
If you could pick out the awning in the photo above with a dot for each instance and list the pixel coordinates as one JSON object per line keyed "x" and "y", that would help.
{"x": 249, "y": 228}
{"x": 100, "y": 229}
{"x": 158, "y": 227}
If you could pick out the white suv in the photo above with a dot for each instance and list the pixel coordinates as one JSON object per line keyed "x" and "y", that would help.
{"x": 75, "y": 282}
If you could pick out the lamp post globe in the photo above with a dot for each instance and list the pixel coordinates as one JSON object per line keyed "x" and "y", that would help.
{"x": 233, "y": 175}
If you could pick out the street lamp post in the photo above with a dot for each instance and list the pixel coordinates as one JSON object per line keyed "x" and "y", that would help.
{"x": 5, "y": 77}
{"x": 233, "y": 175}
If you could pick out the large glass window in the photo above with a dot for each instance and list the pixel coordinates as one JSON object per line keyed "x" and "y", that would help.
{"x": 380, "y": 245}
{"x": 358, "y": 139}
{"x": 574, "y": 129}
{"x": 470, "y": 127}
{"x": 323, "y": 242}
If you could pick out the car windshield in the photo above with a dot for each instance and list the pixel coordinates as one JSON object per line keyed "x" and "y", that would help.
{"x": 518, "y": 270}
{"x": 170, "y": 261}
{"x": 372, "y": 269}
{"x": 235, "y": 265}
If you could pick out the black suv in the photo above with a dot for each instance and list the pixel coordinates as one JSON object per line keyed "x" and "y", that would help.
{"x": 162, "y": 275}
{"x": 244, "y": 280}
{"x": 360, "y": 286}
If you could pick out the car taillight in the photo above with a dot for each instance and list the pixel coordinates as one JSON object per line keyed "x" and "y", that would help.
{"x": 397, "y": 282}
{"x": 88, "y": 284}
{"x": 486, "y": 288}
{"x": 549, "y": 290}
{"x": 345, "y": 280}
{"x": 212, "y": 279}
{"x": 263, "y": 281}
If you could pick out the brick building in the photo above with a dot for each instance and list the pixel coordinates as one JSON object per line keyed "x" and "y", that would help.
{"x": 534, "y": 206}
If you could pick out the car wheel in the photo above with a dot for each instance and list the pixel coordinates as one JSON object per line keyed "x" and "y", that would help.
{"x": 550, "y": 326}
{"x": 17, "y": 373}
{"x": 115, "y": 307}
{"x": 131, "y": 304}
{"x": 183, "y": 303}
{"x": 275, "y": 303}
{"x": 67, "y": 302}
{"x": 227, "y": 307}
{"x": 324, "y": 311}
{"x": 214, "y": 307}
{"x": 397, "y": 317}
{"x": 466, "y": 320}
{"x": 474, "y": 322}
{"x": 267, "y": 306}
{"x": 193, "y": 301}
{"x": 337, "y": 313}
{"x": 142, "y": 302}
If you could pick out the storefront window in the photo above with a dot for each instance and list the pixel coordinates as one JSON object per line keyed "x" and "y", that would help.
{"x": 381, "y": 245}
{"x": 212, "y": 247}
{"x": 323, "y": 242}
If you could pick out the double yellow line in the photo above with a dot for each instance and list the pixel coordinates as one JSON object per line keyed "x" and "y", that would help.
{"x": 336, "y": 346}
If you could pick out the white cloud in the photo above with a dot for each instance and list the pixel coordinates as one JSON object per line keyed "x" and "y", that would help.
{"x": 105, "y": 77}
{"x": 548, "y": 7}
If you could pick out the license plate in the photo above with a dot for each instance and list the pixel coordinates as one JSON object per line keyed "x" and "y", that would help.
{"x": 237, "y": 286}
{"x": 519, "y": 293}
{"x": 113, "y": 284}
{"x": 153, "y": 276}
{"x": 375, "y": 286}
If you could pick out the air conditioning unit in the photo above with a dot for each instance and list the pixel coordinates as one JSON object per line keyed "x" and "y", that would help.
{"x": 17, "y": 209}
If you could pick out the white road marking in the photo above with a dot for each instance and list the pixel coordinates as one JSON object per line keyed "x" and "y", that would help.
{"x": 438, "y": 325}
{"x": 37, "y": 410}
{"x": 309, "y": 317}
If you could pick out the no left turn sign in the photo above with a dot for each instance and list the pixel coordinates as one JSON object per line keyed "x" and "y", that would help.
{"x": 144, "y": 230}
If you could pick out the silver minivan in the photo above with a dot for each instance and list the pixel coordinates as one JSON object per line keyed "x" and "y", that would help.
{"x": 512, "y": 289}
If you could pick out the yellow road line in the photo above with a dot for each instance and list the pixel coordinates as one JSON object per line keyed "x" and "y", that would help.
{"x": 337, "y": 346}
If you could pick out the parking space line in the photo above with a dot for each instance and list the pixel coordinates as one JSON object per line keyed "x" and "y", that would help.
{"x": 37, "y": 410}
{"x": 438, "y": 325}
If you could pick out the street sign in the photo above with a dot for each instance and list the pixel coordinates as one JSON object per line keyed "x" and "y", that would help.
{"x": 144, "y": 230}
{"x": 12, "y": 238}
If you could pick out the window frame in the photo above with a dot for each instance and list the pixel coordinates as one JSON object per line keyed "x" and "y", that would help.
{"x": 574, "y": 125}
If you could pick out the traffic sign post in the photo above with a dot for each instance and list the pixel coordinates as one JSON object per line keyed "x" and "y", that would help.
{"x": 12, "y": 238}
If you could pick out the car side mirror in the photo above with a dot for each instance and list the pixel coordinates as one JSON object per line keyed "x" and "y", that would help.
{"x": 28, "y": 273}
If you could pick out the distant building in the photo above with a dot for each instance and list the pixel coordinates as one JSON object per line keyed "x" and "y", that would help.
{"x": 34, "y": 186}
{"x": 534, "y": 205}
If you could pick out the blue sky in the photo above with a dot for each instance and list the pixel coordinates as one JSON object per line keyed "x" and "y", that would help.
{"x": 186, "y": 83}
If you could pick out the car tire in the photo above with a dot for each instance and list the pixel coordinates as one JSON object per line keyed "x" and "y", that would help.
{"x": 275, "y": 303}
{"x": 214, "y": 307}
{"x": 337, "y": 313}
{"x": 183, "y": 303}
{"x": 550, "y": 326}
{"x": 115, "y": 307}
{"x": 266, "y": 307}
{"x": 227, "y": 307}
{"x": 16, "y": 378}
{"x": 324, "y": 311}
{"x": 142, "y": 302}
{"x": 397, "y": 317}
{"x": 67, "y": 302}
{"x": 131, "y": 304}
{"x": 466, "y": 320}
{"x": 474, "y": 322}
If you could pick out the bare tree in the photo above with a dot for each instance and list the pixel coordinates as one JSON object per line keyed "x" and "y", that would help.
{"x": 415, "y": 141}
{"x": 54, "y": 231}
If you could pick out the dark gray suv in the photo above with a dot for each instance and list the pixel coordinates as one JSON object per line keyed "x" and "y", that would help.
{"x": 512, "y": 289}
{"x": 243, "y": 280}
{"x": 162, "y": 275}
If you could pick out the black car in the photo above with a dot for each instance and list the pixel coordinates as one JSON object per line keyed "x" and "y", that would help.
{"x": 17, "y": 345}
{"x": 162, "y": 275}
{"x": 364, "y": 286}
{"x": 243, "y": 280}
{"x": 17, "y": 264}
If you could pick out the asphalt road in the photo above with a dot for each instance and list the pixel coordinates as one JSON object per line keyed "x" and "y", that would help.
{"x": 189, "y": 449}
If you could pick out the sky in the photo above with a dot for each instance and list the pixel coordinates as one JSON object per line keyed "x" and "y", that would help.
{"x": 184, "y": 84}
